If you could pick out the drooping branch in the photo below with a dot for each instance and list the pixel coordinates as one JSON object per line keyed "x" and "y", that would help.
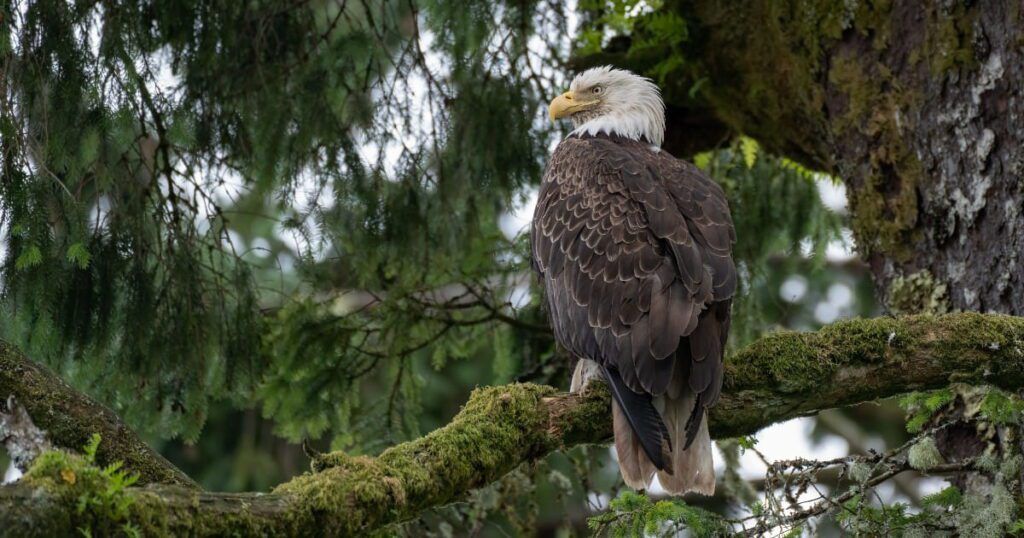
{"x": 783, "y": 375}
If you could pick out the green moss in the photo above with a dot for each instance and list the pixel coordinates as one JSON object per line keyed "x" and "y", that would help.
{"x": 103, "y": 506}
{"x": 802, "y": 362}
{"x": 873, "y": 18}
{"x": 866, "y": 341}
{"x": 949, "y": 38}
{"x": 997, "y": 336}
{"x": 498, "y": 428}
{"x": 69, "y": 418}
{"x": 917, "y": 293}
{"x": 884, "y": 198}
{"x": 585, "y": 421}
{"x": 885, "y": 206}
{"x": 862, "y": 92}
{"x": 791, "y": 358}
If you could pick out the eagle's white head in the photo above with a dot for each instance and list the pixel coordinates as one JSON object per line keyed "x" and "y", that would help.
{"x": 613, "y": 101}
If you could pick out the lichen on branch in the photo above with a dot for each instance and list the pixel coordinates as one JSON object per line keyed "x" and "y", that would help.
{"x": 23, "y": 440}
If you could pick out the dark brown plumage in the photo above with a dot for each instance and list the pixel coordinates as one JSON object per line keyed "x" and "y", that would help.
{"x": 634, "y": 250}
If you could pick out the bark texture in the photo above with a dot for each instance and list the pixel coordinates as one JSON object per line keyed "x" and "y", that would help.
{"x": 917, "y": 106}
{"x": 781, "y": 376}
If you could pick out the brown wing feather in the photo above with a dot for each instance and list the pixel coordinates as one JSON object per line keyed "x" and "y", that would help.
{"x": 634, "y": 249}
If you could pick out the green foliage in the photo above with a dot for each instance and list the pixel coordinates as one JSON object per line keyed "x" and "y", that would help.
{"x": 102, "y": 504}
{"x": 946, "y": 498}
{"x": 996, "y": 406}
{"x": 749, "y": 149}
{"x": 142, "y": 159}
{"x": 107, "y": 257}
{"x": 635, "y": 514}
{"x": 746, "y": 442}
{"x": 610, "y": 18}
{"x": 768, "y": 232}
{"x": 28, "y": 259}
{"x": 653, "y": 32}
{"x": 1003, "y": 408}
{"x": 78, "y": 255}
{"x": 109, "y": 502}
{"x": 921, "y": 406}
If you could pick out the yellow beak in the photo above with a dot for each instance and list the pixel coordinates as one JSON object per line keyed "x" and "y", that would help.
{"x": 567, "y": 105}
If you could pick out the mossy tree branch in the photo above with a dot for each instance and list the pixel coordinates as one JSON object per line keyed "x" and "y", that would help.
{"x": 69, "y": 418}
{"x": 783, "y": 375}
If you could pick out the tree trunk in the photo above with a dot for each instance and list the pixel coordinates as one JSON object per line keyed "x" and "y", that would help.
{"x": 918, "y": 107}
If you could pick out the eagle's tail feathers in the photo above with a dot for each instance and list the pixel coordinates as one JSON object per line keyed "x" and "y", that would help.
{"x": 636, "y": 468}
{"x": 648, "y": 430}
{"x": 694, "y": 419}
{"x": 692, "y": 467}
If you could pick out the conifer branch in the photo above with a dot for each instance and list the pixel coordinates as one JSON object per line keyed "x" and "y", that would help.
{"x": 782, "y": 376}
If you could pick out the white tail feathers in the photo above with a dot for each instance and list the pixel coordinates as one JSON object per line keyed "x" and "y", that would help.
{"x": 636, "y": 468}
{"x": 691, "y": 470}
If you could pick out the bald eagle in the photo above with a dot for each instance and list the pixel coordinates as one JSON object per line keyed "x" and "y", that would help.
{"x": 633, "y": 247}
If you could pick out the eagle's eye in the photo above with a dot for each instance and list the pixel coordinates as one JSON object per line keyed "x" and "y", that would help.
{"x": 596, "y": 90}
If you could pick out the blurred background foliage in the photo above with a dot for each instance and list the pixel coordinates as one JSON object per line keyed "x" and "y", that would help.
{"x": 247, "y": 224}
